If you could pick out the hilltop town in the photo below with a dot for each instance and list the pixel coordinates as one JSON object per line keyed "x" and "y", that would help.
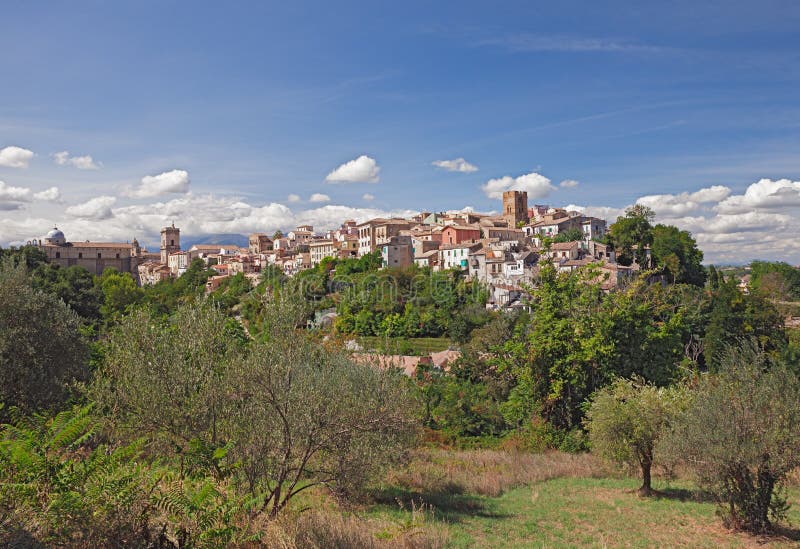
{"x": 501, "y": 251}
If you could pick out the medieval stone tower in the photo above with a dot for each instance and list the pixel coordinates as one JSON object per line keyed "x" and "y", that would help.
{"x": 170, "y": 242}
{"x": 515, "y": 207}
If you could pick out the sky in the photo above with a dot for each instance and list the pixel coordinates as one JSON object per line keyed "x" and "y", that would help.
{"x": 118, "y": 118}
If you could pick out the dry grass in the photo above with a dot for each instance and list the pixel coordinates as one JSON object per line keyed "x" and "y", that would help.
{"x": 490, "y": 472}
{"x": 334, "y": 530}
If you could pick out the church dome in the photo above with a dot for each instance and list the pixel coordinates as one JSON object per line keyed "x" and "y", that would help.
{"x": 55, "y": 237}
{"x": 55, "y": 233}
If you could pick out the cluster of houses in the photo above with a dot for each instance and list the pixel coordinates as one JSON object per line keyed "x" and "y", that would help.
{"x": 502, "y": 251}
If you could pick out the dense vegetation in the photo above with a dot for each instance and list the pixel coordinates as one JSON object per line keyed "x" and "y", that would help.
{"x": 172, "y": 417}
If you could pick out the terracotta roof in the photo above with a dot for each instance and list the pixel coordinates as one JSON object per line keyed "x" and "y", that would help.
{"x": 99, "y": 244}
{"x": 563, "y": 246}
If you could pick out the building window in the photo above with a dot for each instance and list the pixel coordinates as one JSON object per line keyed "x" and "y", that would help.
{"x": 99, "y": 255}
{"x": 80, "y": 255}
{"x": 58, "y": 255}
{"x": 171, "y": 242}
{"x": 117, "y": 256}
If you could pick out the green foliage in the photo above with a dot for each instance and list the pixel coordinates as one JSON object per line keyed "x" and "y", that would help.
{"x": 734, "y": 315}
{"x": 626, "y": 419}
{"x": 570, "y": 235}
{"x": 631, "y": 234}
{"x": 42, "y": 352}
{"x": 740, "y": 434}
{"x": 120, "y": 294}
{"x": 76, "y": 286}
{"x": 61, "y": 490}
{"x": 675, "y": 252}
{"x": 167, "y": 295}
{"x": 777, "y": 280}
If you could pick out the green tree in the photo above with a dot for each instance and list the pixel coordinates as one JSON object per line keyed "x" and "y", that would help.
{"x": 120, "y": 293}
{"x": 625, "y": 421}
{"x": 632, "y": 234}
{"x": 76, "y": 286}
{"x": 41, "y": 349}
{"x": 676, "y": 253}
{"x": 740, "y": 435}
{"x": 165, "y": 379}
{"x": 570, "y": 235}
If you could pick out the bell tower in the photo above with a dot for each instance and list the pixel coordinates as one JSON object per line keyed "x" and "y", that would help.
{"x": 515, "y": 207}
{"x": 170, "y": 242}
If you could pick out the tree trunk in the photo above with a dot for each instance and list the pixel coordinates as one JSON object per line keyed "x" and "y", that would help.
{"x": 646, "y": 489}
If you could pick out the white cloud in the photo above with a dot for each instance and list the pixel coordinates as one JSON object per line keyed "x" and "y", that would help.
{"x": 96, "y": 209}
{"x": 293, "y": 198}
{"x": 361, "y": 170}
{"x": 456, "y": 165}
{"x": 683, "y": 203}
{"x": 85, "y": 162}
{"x": 53, "y": 194}
{"x": 536, "y": 185}
{"x": 569, "y": 183}
{"x": 319, "y": 197}
{"x": 174, "y": 181}
{"x": 766, "y": 194}
{"x": 7, "y": 192}
{"x": 15, "y": 157}
{"x": 368, "y": 197}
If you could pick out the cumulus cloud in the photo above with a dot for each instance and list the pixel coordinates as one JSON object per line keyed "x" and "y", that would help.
{"x": 368, "y": 197}
{"x": 319, "y": 197}
{"x": 456, "y": 165}
{"x": 764, "y": 194}
{"x": 361, "y": 170}
{"x": 15, "y": 157}
{"x": 536, "y": 185}
{"x": 53, "y": 194}
{"x": 683, "y": 203}
{"x": 569, "y": 183}
{"x": 85, "y": 162}
{"x": 174, "y": 181}
{"x": 293, "y": 198}
{"x": 96, "y": 209}
{"x": 13, "y": 198}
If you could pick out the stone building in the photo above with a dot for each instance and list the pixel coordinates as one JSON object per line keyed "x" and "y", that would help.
{"x": 95, "y": 257}
{"x": 515, "y": 207}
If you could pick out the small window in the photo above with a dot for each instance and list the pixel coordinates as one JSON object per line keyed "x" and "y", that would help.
{"x": 58, "y": 255}
{"x": 117, "y": 256}
{"x": 99, "y": 255}
{"x": 80, "y": 255}
{"x": 171, "y": 242}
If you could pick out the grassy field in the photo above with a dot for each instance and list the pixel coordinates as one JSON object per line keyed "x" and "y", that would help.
{"x": 496, "y": 499}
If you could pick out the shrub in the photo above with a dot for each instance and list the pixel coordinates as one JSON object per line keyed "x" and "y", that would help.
{"x": 740, "y": 434}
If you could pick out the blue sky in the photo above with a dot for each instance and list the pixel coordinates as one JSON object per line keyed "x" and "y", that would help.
{"x": 259, "y": 100}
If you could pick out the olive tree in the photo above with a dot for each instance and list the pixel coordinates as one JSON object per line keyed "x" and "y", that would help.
{"x": 41, "y": 349}
{"x": 625, "y": 421}
{"x": 741, "y": 435}
{"x": 166, "y": 380}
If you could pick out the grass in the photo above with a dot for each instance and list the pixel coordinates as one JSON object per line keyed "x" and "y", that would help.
{"x": 488, "y": 498}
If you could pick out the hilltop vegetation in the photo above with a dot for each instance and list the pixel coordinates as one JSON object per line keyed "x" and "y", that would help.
{"x": 165, "y": 417}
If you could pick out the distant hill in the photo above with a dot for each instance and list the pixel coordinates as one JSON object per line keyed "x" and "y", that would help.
{"x": 235, "y": 239}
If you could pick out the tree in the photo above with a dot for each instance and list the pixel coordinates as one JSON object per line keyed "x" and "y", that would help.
{"x": 740, "y": 435}
{"x": 41, "y": 349}
{"x": 570, "y": 235}
{"x": 304, "y": 415}
{"x": 120, "y": 293}
{"x": 632, "y": 234}
{"x": 625, "y": 421}
{"x": 676, "y": 253}
{"x": 165, "y": 379}
{"x": 76, "y": 286}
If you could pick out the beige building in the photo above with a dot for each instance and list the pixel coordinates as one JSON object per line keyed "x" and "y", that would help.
{"x": 320, "y": 249}
{"x": 259, "y": 243}
{"x": 95, "y": 257}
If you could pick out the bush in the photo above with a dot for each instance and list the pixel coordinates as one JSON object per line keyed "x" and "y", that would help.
{"x": 740, "y": 434}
